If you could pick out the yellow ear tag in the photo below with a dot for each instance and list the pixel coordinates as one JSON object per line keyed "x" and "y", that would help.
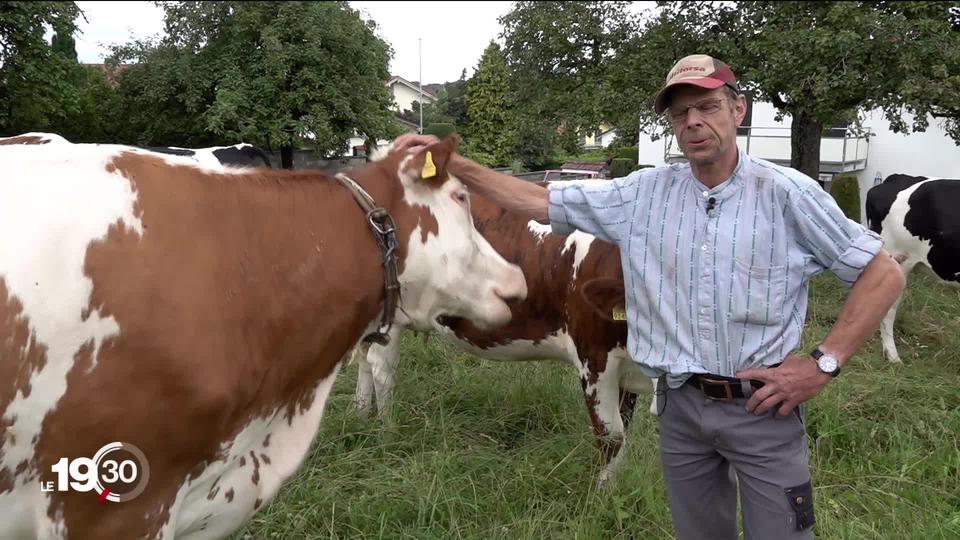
{"x": 619, "y": 314}
{"x": 429, "y": 169}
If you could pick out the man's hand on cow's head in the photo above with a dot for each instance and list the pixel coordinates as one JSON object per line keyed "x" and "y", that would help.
{"x": 413, "y": 142}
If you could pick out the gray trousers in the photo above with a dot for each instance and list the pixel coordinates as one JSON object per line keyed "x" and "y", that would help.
{"x": 701, "y": 439}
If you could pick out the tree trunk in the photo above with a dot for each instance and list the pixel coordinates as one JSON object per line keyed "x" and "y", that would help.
{"x": 805, "y": 132}
{"x": 286, "y": 156}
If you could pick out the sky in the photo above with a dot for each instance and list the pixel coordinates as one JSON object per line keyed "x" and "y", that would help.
{"x": 452, "y": 35}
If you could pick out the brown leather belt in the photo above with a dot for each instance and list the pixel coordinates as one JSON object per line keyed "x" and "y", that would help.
{"x": 720, "y": 388}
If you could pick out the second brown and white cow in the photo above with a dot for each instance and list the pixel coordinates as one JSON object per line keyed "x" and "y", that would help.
{"x": 555, "y": 322}
{"x": 33, "y": 138}
{"x": 200, "y": 316}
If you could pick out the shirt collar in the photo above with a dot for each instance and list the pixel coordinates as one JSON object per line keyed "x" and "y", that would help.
{"x": 729, "y": 186}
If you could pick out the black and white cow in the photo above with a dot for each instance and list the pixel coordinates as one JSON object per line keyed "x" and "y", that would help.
{"x": 238, "y": 155}
{"x": 919, "y": 220}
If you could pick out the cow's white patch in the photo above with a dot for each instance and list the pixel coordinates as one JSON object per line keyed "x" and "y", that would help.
{"x": 455, "y": 271}
{"x": 52, "y": 207}
{"x": 381, "y": 153}
{"x": 539, "y": 229}
{"x": 581, "y": 242}
{"x": 578, "y": 240}
{"x": 195, "y": 515}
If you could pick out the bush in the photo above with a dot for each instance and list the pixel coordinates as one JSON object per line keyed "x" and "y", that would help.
{"x": 440, "y": 129}
{"x": 620, "y": 167}
{"x": 625, "y": 152}
{"x": 846, "y": 191}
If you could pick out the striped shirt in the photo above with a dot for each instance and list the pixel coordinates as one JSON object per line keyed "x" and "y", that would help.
{"x": 722, "y": 286}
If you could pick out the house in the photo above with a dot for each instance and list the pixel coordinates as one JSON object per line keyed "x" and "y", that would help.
{"x": 404, "y": 93}
{"x": 869, "y": 157}
{"x": 599, "y": 138}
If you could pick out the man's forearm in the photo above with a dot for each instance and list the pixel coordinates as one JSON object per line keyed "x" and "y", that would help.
{"x": 514, "y": 195}
{"x": 875, "y": 291}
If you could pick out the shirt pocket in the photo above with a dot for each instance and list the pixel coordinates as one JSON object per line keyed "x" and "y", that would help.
{"x": 758, "y": 292}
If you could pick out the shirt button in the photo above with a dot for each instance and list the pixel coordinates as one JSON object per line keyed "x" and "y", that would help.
{"x": 703, "y": 247}
{"x": 705, "y": 193}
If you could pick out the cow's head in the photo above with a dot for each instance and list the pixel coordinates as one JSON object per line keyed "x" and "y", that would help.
{"x": 606, "y": 297}
{"x": 448, "y": 270}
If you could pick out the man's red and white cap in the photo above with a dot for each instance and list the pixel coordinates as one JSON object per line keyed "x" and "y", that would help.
{"x": 698, "y": 70}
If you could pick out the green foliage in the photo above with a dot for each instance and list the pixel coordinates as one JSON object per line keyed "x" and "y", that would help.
{"x": 272, "y": 73}
{"x": 533, "y": 144}
{"x": 620, "y": 167}
{"x": 595, "y": 155}
{"x": 36, "y": 81}
{"x": 452, "y": 104}
{"x": 626, "y": 152}
{"x": 440, "y": 129}
{"x": 820, "y": 62}
{"x": 561, "y": 56}
{"x": 489, "y": 108}
{"x": 846, "y": 191}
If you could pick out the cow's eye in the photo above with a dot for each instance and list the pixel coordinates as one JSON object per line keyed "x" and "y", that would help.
{"x": 461, "y": 196}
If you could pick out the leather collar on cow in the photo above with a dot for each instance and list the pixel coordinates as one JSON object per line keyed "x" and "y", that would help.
{"x": 384, "y": 230}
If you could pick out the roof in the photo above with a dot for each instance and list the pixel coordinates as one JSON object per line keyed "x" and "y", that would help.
{"x": 595, "y": 166}
{"x": 398, "y": 79}
{"x": 407, "y": 125}
{"x": 110, "y": 72}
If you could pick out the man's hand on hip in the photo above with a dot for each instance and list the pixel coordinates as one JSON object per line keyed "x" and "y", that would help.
{"x": 794, "y": 381}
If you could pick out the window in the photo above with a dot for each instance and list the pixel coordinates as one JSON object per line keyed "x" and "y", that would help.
{"x": 837, "y": 131}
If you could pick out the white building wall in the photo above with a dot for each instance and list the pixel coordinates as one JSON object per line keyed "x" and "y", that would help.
{"x": 404, "y": 97}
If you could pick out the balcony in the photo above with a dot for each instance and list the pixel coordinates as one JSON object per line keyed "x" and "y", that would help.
{"x": 840, "y": 153}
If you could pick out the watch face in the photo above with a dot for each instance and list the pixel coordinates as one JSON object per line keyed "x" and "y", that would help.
{"x": 827, "y": 363}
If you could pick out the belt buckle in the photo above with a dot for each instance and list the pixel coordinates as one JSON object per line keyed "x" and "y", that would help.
{"x": 714, "y": 383}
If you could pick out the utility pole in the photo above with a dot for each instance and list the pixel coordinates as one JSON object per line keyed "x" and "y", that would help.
{"x": 420, "y": 81}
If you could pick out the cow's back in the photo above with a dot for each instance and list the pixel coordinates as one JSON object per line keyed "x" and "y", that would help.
{"x": 882, "y": 196}
{"x": 932, "y": 217}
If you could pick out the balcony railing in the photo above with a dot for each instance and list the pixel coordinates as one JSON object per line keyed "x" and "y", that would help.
{"x": 847, "y": 153}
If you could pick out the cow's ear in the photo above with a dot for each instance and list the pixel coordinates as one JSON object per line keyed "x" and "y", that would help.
{"x": 606, "y": 297}
{"x": 430, "y": 164}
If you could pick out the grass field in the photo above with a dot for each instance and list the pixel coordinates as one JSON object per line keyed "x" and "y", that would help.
{"x": 488, "y": 450}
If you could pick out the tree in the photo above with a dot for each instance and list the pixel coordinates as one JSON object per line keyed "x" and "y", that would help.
{"x": 487, "y": 100}
{"x": 819, "y": 62}
{"x": 35, "y": 87}
{"x": 160, "y": 101}
{"x": 451, "y": 103}
{"x": 488, "y": 109}
{"x": 273, "y": 73}
{"x": 561, "y": 55}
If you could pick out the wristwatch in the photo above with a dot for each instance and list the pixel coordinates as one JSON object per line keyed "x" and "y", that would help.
{"x": 826, "y": 362}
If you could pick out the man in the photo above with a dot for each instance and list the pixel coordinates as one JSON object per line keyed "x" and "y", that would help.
{"x": 717, "y": 254}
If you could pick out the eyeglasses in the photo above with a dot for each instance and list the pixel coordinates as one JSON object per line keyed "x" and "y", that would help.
{"x": 705, "y": 107}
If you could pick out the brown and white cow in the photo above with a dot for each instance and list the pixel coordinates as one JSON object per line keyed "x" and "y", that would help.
{"x": 33, "y": 138}
{"x": 557, "y": 321}
{"x": 199, "y": 315}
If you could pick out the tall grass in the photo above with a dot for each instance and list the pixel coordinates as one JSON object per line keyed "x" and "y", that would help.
{"x": 488, "y": 450}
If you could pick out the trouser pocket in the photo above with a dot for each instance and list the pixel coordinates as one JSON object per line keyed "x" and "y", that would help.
{"x": 801, "y": 501}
